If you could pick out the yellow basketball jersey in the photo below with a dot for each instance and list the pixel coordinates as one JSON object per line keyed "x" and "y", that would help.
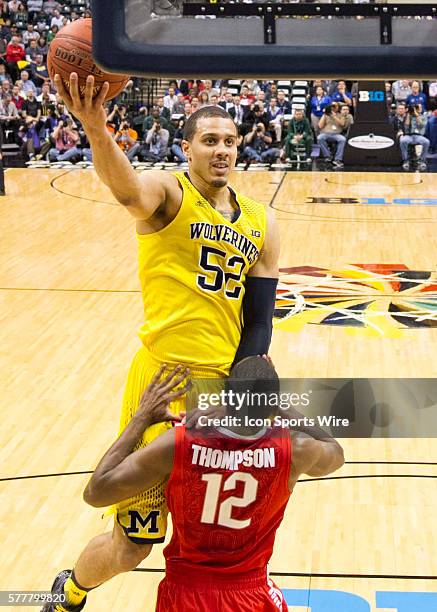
{"x": 192, "y": 275}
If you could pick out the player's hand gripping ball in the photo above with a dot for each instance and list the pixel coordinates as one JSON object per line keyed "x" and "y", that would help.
{"x": 71, "y": 51}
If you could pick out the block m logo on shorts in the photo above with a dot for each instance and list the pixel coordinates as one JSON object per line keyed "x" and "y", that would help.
{"x": 138, "y": 522}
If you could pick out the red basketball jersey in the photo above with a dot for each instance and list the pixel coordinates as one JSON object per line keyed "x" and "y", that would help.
{"x": 227, "y": 495}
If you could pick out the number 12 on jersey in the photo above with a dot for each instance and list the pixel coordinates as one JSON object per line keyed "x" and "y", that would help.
{"x": 222, "y": 271}
{"x": 221, "y": 513}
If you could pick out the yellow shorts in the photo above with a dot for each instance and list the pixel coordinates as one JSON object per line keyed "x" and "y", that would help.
{"x": 144, "y": 517}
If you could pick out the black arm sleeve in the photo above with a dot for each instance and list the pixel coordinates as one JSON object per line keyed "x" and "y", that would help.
{"x": 258, "y": 307}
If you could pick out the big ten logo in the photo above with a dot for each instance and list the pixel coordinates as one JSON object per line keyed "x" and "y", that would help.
{"x": 371, "y": 96}
{"x": 336, "y": 601}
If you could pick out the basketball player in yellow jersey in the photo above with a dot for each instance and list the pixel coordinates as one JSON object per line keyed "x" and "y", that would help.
{"x": 207, "y": 260}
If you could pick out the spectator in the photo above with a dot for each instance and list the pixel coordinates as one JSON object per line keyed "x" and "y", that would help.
{"x": 272, "y": 91}
{"x": 299, "y": 134}
{"x": 31, "y": 107}
{"x": 163, "y": 110}
{"x": 246, "y": 96}
{"x": 348, "y": 119}
{"x": 170, "y": 100}
{"x": 5, "y": 89}
{"x": 398, "y": 119}
{"x": 42, "y": 47}
{"x": 28, "y": 135}
{"x": 3, "y": 45}
{"x": 258, "y": 145}
{"x": 213, "y": 100}
{"x": 431, "y": 132}
{"x": 66, "y": 137}
{"x": 14, "y": 54}
{"x": 9, "y": 115}
{"x": 187, "y": 110}
{"x": 275, "y": 116}
{"x": 222, "y": 94}
{"x": 283, "y": 103}
{"x": 318, "y": 104}
{"x": 32, "y": 51}
{"x": 432, "y": 92}
{"x": 65, "y": 22}
{"x": 46, "y": 94}
{"x": 13, "y": 6}
{"x": 207, "y": 86}
{"x": 173, "y": 83}
{"x": 341, "y": 95}
{"x": 238, "y": 112}
{"x": 28, "y": 84}
{"x": 21, "y": 17}
{"x": 195, "y": 103}
{"x": 389, "y": 98}
{"x": 228, "y": 102}
{"x": 156, "y": 145}
{"x": 126, "y": 137}
{"x": 3, "y": 74}
{"x": 252, "y": 86}
{"x": 49, "y": 6}
{"x": 203, "y": 99}
{"x": 401, "y": 90}
{"x": 117, "y": 115}
{"x": 34, "y": 7}
{"x": 39, "y": 71}
{"x": 177, "y": 139}
{"x": 261, "y": 97}
{"x": 255, "y": 114}
{"x": 331, "y": 125}
{"x": 29, "y": 34}
{"x": 138, "y": 122}
{"x": 416, "y": 97}
{"x": 41, "y": 22}
{"x": 17, "y": 98}
{"x": 155, "y": 116}
{"x": 178, "y": 108}
{"x": 52, "y": 33}
{"x": 414, "y": 128}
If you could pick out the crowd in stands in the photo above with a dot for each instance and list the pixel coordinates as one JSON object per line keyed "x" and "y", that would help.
{"x": 277, "y": 121}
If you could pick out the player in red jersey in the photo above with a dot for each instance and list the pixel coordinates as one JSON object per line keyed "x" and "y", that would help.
{"x": 227, "y": 491}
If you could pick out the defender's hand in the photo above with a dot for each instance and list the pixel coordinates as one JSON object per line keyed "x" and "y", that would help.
{"x": 88, "y": 110}
{"x": 159, "y": 394}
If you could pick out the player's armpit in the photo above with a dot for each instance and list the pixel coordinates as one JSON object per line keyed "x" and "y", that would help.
{"x": 136, "y": 473}
{"x": 155, "y": 189}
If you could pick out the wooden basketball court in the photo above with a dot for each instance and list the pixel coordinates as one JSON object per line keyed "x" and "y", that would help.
{"x": 71, "y": 308}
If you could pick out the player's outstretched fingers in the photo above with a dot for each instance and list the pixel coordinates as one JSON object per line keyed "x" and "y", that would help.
{"x": 60, "y": 88}
{"x": 74, "y": 89}
{"x": 101, "y": 96}
{"x": 172, "y": 396}
{"x": 173, "y": 379}
{"x": 89, "y": 87}
{"x": 158, "y": 375}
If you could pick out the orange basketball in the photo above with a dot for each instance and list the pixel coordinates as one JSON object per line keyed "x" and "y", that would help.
{"x": 71, "y": 51}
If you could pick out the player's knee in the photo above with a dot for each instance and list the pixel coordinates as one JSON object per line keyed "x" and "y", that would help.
{"x": 128, "y": 555}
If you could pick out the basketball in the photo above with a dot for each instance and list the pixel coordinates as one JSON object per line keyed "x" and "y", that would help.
{"x": 71, "y": 51}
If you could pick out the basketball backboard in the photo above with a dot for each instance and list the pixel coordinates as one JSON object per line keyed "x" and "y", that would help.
{"x": 270, "y": 40}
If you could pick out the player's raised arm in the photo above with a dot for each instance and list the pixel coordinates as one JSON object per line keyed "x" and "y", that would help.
{"x": 141, "y": 195}
{"x": 259, "y": 297}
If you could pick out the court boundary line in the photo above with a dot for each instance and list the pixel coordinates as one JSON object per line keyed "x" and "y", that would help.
{"x": 354, "y": 476}
{"x": 155, "y": 570}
